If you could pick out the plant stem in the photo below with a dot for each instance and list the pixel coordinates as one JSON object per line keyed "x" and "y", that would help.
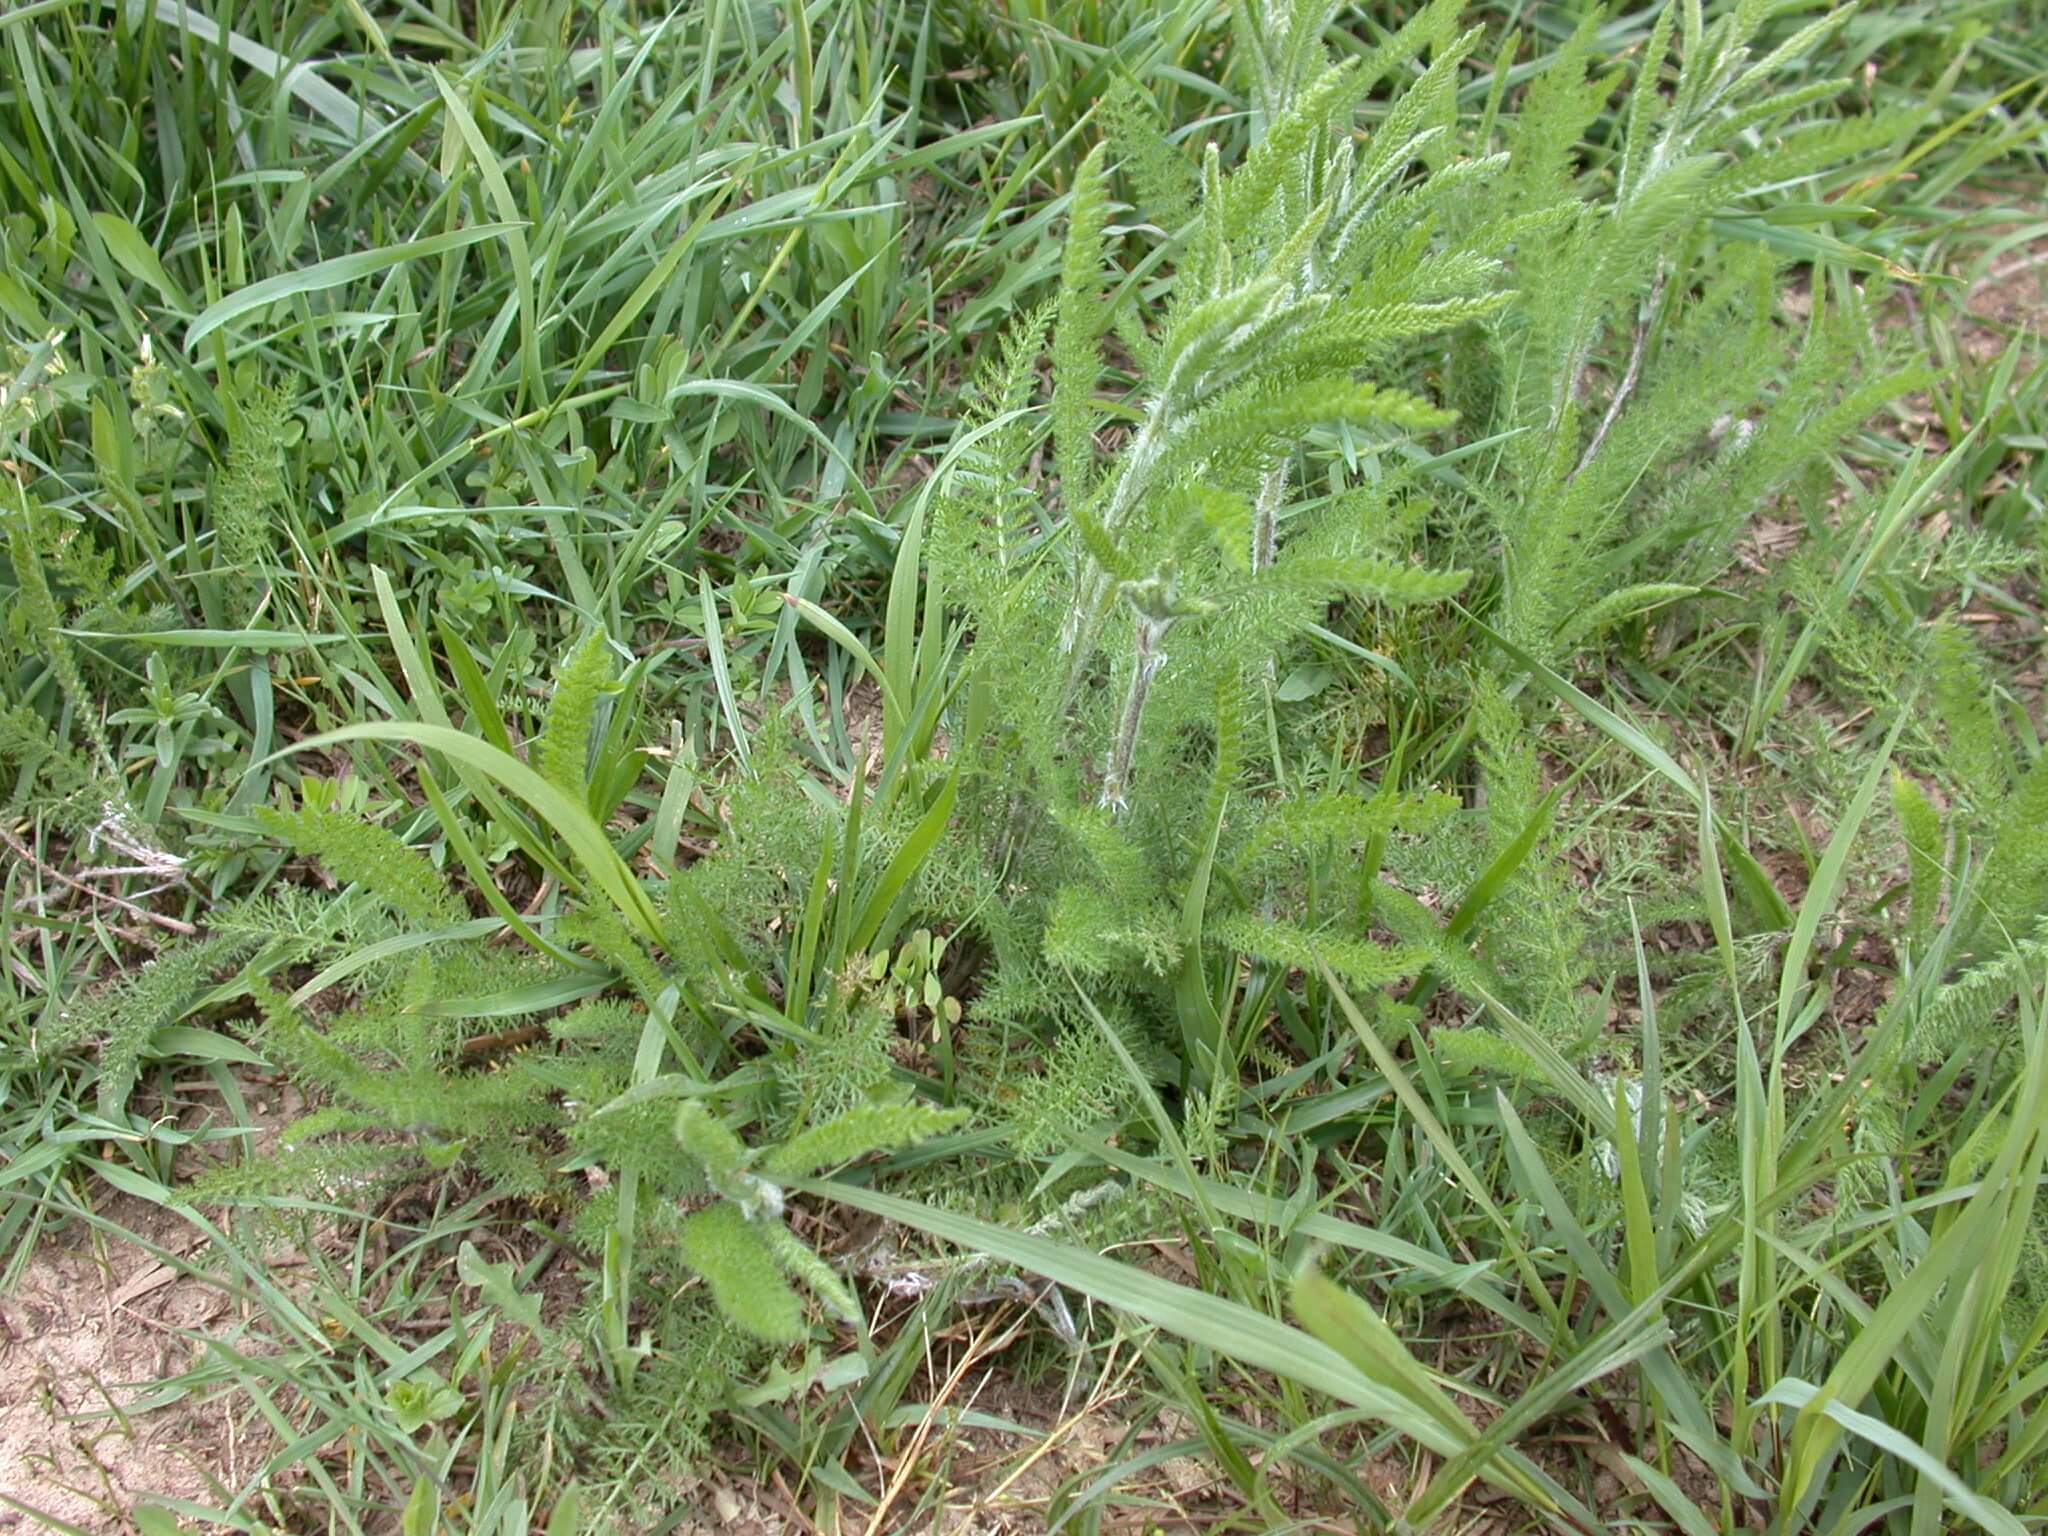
{"x": 1147, "y": 659}
{"x": 1627, "y": 386}
{"x": 1091, "y": 580}
{"x": 1266, "y": 517}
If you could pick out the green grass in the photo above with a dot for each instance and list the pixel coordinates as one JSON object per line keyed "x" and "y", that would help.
{"x": 543, "y": 432}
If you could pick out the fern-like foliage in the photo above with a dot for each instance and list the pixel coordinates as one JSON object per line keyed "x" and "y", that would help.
{"x": 563, "y": 752}
{"x": 46, "y": 771}
{"x": 358, "y": 852}
{"x": 741, "y": 1246}
{"x": 38, "y": 616}
{"x": 1289, "y": 284}
{"x": 1976, "y": 872}
{"x": 1629, "y": 372}
{"x": 1164, "y": 181}
{"x": 122, "y": 1015}
{"x": 251, "y": 487}
{"x": 1129, "y": 610}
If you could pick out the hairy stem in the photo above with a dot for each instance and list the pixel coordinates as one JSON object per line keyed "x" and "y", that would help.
{"x": 1147, "y": 659}
{"x": 1266, "y": 518}
{"x": 1091, "y": 581}
{"x": 1627, "y": 387}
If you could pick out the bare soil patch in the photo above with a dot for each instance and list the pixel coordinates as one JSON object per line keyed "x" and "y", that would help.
{"x": 93, "y": 1324}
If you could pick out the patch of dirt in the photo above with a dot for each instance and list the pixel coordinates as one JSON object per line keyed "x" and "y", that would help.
{"x": 2006, "y": 299}
{"x": 864, "y": 723}
{"x": 92, "y": 1324}
{"x": 735, "y": 1513}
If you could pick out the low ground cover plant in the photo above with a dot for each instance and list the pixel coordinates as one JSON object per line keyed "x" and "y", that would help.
{"x": 1334, "y": 708}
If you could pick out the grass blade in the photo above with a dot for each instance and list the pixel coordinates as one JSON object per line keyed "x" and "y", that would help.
{"x": 336, "y": 272}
